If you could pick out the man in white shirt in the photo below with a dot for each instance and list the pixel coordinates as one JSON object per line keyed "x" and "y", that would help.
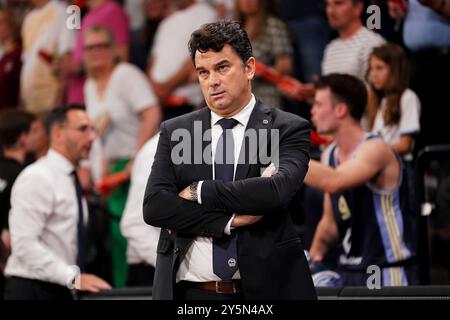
{"x": 142, "y": 238}
{"x": 48, "y": 216}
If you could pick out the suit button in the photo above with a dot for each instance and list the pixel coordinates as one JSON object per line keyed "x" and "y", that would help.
{"x": 176, "y": 250}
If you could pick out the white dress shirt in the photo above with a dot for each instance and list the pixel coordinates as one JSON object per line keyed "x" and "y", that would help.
{"x": 43, "y": 221}
{"x": 197, "y": 265}
{"x": 142, "y": 238}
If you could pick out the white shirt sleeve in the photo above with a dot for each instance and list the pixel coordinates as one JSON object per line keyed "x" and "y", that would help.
{"x": 136, "y": 89}
{"x": 228, "y": 227}
{"x": 30, "y": 209}
{"x": 410, "y": 118}
{"x": 142, "y": 238}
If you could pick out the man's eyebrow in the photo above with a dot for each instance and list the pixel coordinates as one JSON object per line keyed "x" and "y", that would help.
{"x": 221, "y": 62}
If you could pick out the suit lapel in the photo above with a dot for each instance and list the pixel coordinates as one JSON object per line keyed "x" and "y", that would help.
{"x": 201, "y": 127}
{"x": 260, "y": 118}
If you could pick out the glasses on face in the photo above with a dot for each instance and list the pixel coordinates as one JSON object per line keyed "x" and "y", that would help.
{"x": 97, "y": 46}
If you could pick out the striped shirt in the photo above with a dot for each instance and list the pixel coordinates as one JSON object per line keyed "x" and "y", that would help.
{"x": 351, "y": 55}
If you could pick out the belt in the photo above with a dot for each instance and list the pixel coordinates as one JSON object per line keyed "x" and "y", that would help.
{"x": 224, "y": 287}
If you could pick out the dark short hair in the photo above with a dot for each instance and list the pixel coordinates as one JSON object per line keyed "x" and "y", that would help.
{"x": 216, "y": 35}
{"x": 58, "y": 116}
{"x": 347, "y": 89}
{"x": 12, "y": 124}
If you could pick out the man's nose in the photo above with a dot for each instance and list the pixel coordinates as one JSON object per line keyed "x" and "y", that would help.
{"x": 92, "y": 135}
{"x": 214, "y": 79}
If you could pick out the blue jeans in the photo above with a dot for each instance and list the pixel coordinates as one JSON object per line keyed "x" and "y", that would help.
{"x": 311, "y": 35}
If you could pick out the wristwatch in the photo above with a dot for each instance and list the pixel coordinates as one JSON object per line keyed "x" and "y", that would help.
{"x": 193, "y": 191}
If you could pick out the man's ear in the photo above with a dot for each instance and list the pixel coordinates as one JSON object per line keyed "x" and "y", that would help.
{"x": 250, "y": 68}
{"x": 56, "y": 133}
{"x": 22, "y": 141}
{"x": 341, "y": 109}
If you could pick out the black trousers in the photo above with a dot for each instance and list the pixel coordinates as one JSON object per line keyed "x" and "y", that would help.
{"x": 140, "y": 275}
{"x": 185, "y": 292}
{"x": 17, "y": 288}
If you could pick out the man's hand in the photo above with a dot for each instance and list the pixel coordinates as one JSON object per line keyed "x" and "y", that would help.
{"x": 185, "y": 194}
{"x": 241, "y": 220}
{"x": 269, "y": 171}
{"x": 92, "y": 283}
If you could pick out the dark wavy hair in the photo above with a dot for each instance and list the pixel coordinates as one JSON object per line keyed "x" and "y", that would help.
{"x": 214, "y": 36}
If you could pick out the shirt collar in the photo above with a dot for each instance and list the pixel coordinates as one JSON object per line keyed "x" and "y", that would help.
{"x": 60, "y": 161}
{"x": 242, "y": 117}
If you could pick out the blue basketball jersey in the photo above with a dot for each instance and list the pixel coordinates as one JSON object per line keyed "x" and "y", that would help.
{"x": 374, "y": 225}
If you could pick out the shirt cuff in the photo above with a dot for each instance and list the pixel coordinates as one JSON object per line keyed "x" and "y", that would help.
{"x": 199, "y": 192}
{"x": 68, "y": 275}
{"x": 228, "y": 227}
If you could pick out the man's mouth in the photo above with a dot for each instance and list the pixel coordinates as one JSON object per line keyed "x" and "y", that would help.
{"x": 216, "y": 94}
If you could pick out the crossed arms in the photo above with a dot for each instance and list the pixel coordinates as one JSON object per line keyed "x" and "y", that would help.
{"x": 163, "y": 207}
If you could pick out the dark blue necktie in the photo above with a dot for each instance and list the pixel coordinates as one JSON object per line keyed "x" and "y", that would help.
{"x": 225, "y": 249}
{"x": 81, "y": 232}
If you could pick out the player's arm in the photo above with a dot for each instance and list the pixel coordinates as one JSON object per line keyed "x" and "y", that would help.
{"x": 326, "y": 233}
{"x": 370, "y": 159}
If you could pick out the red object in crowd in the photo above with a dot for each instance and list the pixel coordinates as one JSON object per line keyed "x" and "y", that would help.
{"x": 173, "y": 101}
{"x": 317, "y": 140}
{"x": 80, "y": 3}
{"x": 285, "y": 82}
{"x": 111, "y": 182}
{"x": 401, "y": 4}
{"x": 45, "y": 55}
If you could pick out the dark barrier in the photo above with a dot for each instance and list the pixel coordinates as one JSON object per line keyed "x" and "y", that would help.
{"x": 341, "y": 293}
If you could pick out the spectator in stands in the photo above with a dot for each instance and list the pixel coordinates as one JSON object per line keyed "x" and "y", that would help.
{"x": 270, "y": 41}
{"x": 426, "y": 34}
{"x": 45, "y": 39}
{"x": 349, "y": 53}
{"x": 107, "y": 13}
{"x": 126, "y": 113}
{"x": 224, "y": 8}
{"x": 170, "y": 68}
{"x": 14, "y": 135}
{"x": 10, "y": 61}
{"x": 311, "y": 32}
{"x": 142, "y": 238}
{"x": 136, "y": 13}
{"x": 394, "y": 109}
{"x": 364, "y": 201}
{"x": 48, "y": 215}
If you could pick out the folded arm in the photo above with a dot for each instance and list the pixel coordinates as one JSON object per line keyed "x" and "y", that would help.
{"x": 264, "y": 195}
{"x": 165, "y": 209}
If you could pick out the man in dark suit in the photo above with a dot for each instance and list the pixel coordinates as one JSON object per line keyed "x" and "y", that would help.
{"x": 226, "y": 231}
